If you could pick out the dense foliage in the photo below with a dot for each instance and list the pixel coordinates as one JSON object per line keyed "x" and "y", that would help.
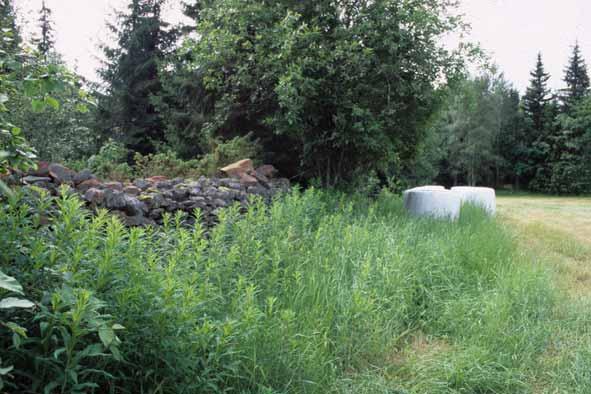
{"x": 331, "y": 93}
{"x": 41, "y": 102}
{"x": 479, "y": 116}
{"x": 329, "y": 88}
{"x": 317, "y": 293}
{"x": 486, "y": 134}
{"x": 131, "y": 78}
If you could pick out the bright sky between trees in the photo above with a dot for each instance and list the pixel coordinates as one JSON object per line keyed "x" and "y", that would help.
{"x": 511, "y": 31}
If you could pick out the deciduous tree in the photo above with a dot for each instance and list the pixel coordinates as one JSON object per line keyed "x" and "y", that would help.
{"x": 329, "y": 88}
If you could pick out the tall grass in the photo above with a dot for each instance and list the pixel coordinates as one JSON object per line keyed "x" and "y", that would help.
{"x": 317, "y": 293}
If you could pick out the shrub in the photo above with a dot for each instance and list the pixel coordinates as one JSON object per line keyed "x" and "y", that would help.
{"x": 223, "y": 153}
{"x": 167, "y": 164}
{"x": 111, "y": 162}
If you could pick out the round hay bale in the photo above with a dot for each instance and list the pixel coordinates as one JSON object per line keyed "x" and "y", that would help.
{"x": 435, "y": 203}
{"x": 483, "y": 197}
{"x": 428, "y": 187}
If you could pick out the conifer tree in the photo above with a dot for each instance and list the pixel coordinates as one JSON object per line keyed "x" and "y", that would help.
{"x": 537, "y": 95}
{"x": 46, "y": 42}
{"x": 11, "y": 38}
{"x": 576, "y": 78}
{"x": 131, "y": 76}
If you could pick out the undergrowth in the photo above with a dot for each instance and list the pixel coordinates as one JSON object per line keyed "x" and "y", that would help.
{"x": 317, "y": 293}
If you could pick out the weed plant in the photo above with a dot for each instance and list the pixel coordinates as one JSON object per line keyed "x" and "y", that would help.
{"x": 317, "y": 293}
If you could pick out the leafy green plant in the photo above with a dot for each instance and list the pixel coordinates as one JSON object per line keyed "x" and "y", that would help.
{"x": 10, "y": 285}
{"x": 26, "y": 82}
{"x": 111, "y": 161}
{"x": 222, "y": 153}
{"x": 317, "y": 291}
{"x": 166, "y": 163}
{"x": 74, "y": 333}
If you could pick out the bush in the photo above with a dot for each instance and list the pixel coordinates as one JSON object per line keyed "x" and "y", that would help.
{"x": 167, "y": 164}
{"x": 317, "y": 293}
{"x": 111, "y": 162}
{"x": 223, "y": 153}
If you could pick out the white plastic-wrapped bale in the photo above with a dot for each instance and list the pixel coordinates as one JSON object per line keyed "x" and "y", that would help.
{"x": 484, "y": 197}
{"x": 429, "y": 187}
{"x": 435, "y": 203}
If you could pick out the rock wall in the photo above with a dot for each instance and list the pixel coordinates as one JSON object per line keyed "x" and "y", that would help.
{"x": 145, "y": 201}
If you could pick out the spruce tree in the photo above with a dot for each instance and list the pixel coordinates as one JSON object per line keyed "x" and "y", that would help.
{"x": 11, "y": 39}
{"x": 46, "y": 42}
{"x": 131, "y": 76}
{"x": 537, "y": 96}
{"x": 576, "y": 78}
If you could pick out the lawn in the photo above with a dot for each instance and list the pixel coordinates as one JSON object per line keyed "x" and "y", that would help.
{"x": 555, "y": 233}
{"x": 556, "y": 230}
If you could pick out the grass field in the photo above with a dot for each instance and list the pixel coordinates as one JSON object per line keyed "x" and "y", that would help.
{"x": 555, "y": 233}
{"x": 556, "y": 230}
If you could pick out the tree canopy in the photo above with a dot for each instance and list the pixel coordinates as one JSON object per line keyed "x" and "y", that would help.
{"x": 329, "y": 88}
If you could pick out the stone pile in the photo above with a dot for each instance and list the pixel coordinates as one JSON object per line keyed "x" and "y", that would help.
{"x": 145, "y": 201}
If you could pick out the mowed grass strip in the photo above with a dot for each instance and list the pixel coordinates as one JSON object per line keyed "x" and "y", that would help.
{"x": 555, "y": 232}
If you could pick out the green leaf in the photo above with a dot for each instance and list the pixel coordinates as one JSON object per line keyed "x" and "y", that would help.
{"x": 57, "y": 352}
{"x": 49, "y": 388}
{"x": 38, "y": 105}
{"x": 4, "y": 190}
{"x": 93, "y": 350}
{"x": 82, "y": 108}
{"x": 52, "y": 102}
{"x": 73, "y": 376}
{"x": 117, "y": 327}
{"x": 4, "y": 371}
{"x": 12, "y": 302}
{"x": 16, "y": 329}
{"x": 116, "y": 354}
{"x": 107, "y": 336}
{"x": 17, "y": 340}
{"x": 10, "y": 284}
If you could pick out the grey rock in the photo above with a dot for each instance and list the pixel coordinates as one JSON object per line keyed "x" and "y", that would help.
{"x": 156, "y": 213}
{"x": 164, "y": 185}
{"x": 132, "y": 190}
{"x": 60, "y": 174}
{"x": 218, "y": 202}
{"x": 30, "y": 180}
{"x": 195, "y": 191}
{"x": 210, "y": 191}
{"x": 95, "y": 196}
{"x": 180, "y": 193}
{"x": 156, "y": 201}
{"x": 117, "y": 186}
{"x": 115, "y": 199}
{"x": 133, "y": 206}
{"x": 171, "y": 206}
{"x": 142, "y": 184}
{"x": 83, "y": 176}
{"x": 235, "y": 185}
{"x": 88, "y": 184}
